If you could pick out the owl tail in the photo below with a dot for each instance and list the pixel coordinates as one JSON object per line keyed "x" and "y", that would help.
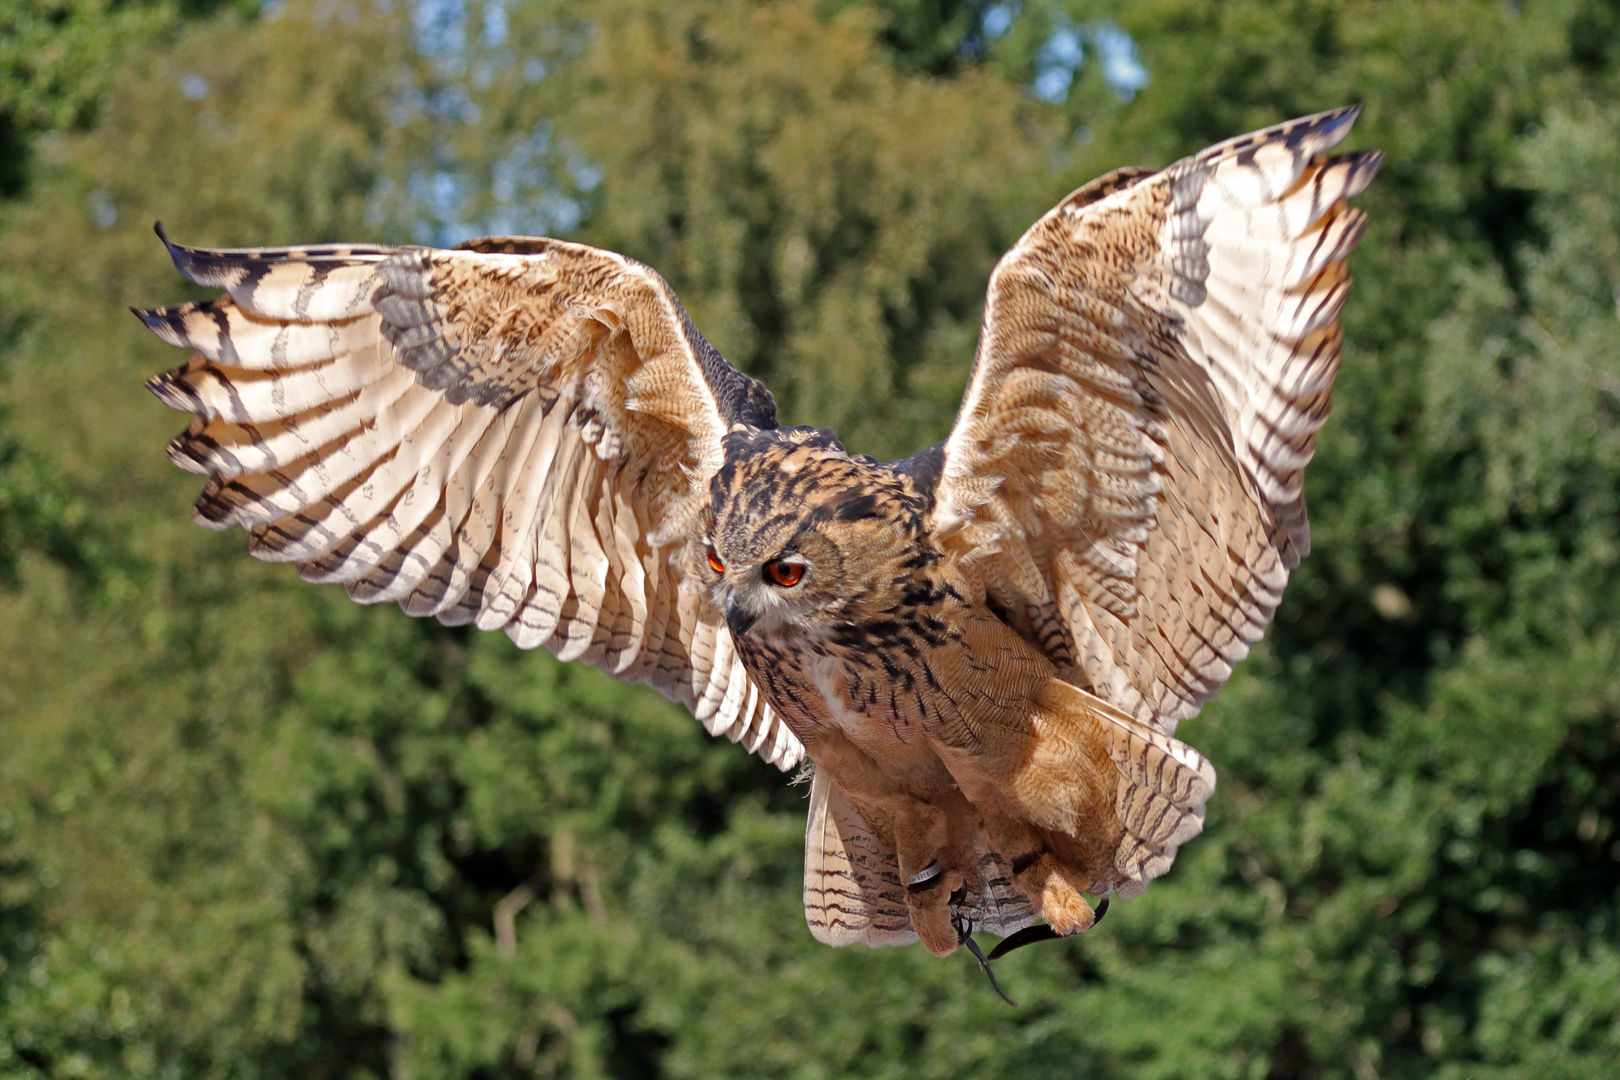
{"x": 1159, "y": 785}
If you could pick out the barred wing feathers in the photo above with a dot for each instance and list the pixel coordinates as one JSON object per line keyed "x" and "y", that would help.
{"x": 513, "y": 434}
{"x": 1156, "y": 360}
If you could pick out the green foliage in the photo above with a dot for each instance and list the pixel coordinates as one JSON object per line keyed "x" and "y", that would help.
{"x": 36, "y": 515}
{"x": 250, "y": 829}
{"x": 56, "y": 57}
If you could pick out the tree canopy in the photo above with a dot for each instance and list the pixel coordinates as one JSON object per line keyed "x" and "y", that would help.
{"x": 249, "y": 829}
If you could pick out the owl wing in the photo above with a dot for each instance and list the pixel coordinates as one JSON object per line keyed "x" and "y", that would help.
{"x": 1156, "y": 360}
{"x": 516, "y": 434}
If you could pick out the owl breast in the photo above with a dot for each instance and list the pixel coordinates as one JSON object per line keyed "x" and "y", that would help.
{"x": 905, "y": 679}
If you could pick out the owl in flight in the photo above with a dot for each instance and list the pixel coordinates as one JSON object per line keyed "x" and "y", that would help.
{"x": 984, "y": 649}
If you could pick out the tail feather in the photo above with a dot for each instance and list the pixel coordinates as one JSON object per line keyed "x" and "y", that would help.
{"x": 1159, "y": 799}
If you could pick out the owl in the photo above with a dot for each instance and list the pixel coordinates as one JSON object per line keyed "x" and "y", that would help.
{"x": 984, "y": 649}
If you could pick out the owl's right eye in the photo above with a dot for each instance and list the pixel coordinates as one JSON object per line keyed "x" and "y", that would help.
{"x": 714, "y": 561}
{"x": 784, "y": 574}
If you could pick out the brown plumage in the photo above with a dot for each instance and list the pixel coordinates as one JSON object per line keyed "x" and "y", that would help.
{"x": 984, "y": 649}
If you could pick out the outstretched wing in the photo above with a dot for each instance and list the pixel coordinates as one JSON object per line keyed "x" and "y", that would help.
{"x": 514, "y": 434}
{"x": 1156, "y": 360}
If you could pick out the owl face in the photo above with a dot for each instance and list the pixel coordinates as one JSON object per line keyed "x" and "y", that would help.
{"x": 800, "y": 538}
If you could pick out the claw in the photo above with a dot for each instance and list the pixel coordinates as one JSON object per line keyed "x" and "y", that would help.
{"x": 964, "y": 936}
{"x": 978, "y": 954}
{"x": 1029, "y": 935}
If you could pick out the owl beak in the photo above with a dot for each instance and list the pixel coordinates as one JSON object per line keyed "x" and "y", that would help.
{"x": 738, "y": 618}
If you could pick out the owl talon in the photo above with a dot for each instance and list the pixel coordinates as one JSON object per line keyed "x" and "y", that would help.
{"x": 978, "y": 954}
{"x": 1055, "y": 890}
{"x": 1029, "y": 935}
{"x": 964, "y": 936}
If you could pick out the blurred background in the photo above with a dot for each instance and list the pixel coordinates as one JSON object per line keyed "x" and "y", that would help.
{"x": 249, "y": 829}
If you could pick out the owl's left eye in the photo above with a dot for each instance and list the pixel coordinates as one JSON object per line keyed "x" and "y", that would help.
{"x": 784, "y": 574}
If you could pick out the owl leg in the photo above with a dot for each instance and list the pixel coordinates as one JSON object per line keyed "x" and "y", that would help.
{"x": 930, "y": 911}
{"x": 919, "y": 832}
{"x": 1053, "y": 887}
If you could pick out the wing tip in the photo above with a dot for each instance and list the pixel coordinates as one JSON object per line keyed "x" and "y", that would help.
{"x": 1332, "y": 124}
{"x": 170, "y": 388}
{"x": 192, "y": 263}
{"x": 1318, "y": 131}
{"x": 156, "y": 319}
{"x": 1308, "y": 135}
{"x": 171, "y": 322}
{"x": 162, "y": 321}
{"x": 1361, "y": 166}
{"x": 225, "y": 268}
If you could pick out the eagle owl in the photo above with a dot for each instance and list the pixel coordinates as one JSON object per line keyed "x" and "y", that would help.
{"x": 984, "y": 649}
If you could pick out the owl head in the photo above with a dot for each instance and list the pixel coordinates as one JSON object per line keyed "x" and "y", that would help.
{"x": 799, "y": 537}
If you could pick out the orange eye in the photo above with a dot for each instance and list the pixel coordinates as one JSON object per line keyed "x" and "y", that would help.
{"x": 714, "y": 561}
{"x": 783, "y": 573}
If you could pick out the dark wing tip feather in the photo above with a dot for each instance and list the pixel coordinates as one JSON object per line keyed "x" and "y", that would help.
{"x": 1312, "y": 134}
{"x": 158, "y": 320}
{"x": 217, "y": 268}
{"x": 167, "y": 323}
{"x": 172, "y": 323}
{"x": 201, "y": 266}
{"x": 1329, "y": 127}
{"x": 1363, "y": 166}
{"x": 1316, "y": 132}
{"x": 222, "y": 267}
{"x": 170, "y": 388}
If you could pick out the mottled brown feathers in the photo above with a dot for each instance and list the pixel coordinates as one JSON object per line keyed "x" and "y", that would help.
{"x": 486, "y": 438}
{"x": 1154, "y": 368}
{"x": 984, "y": 649}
